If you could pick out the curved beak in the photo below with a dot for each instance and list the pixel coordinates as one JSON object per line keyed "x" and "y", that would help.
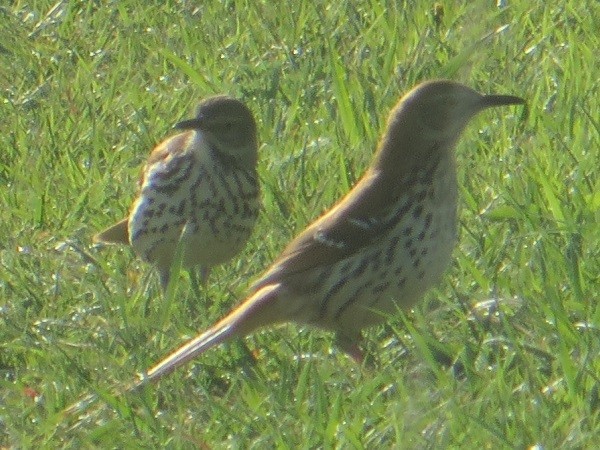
{"x": 499, "y": 100}
{"x": 191, "y": 124}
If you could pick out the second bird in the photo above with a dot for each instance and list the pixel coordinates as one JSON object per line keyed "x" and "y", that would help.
{"x": 379, "y": 248}
{"x": 199, "y": 191}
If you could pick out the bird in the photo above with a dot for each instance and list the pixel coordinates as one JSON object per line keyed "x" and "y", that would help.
{"x": 379, "y": 248}
{"x": 199, "y": 191}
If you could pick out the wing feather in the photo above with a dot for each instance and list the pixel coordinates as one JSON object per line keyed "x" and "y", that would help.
{"x": 358, "y": 220}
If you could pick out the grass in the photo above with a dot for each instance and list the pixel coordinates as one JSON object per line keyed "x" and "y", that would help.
{"x": 89, "y": 87}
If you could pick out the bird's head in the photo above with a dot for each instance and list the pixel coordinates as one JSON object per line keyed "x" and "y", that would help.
{"x": 229, "y": 127}
{"x": 443, "y": 108}
{"x": 432, "y": 115}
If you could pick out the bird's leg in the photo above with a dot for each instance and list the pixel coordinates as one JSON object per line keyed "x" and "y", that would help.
{"x": 240, "y": 346}
{"x": 170, "y": 271}
{"x": 204, "y": 274}
{"x": 197, "y": 283}
{"x": 349, "y": 344}
{"x": 163, "y": 277}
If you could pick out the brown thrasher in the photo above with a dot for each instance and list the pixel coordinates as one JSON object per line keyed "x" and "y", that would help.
{"x": 379, "y": 248}
{"x": 199, "y": 190}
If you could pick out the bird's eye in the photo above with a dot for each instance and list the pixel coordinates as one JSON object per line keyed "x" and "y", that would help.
{"x": 227, "y": 126}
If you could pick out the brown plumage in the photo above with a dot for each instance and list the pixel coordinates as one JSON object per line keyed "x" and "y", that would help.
{"x": 199, "y": 189}
{"x": 380, "y": 247}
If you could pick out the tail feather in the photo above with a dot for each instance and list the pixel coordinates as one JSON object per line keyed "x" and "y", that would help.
{"x": 257, "y": 311}
{"x": 249, "y": 316}
{"x": 116, "y": 234}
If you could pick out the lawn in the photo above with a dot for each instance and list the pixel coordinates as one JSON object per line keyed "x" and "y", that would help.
{"x": 88, "y": 88}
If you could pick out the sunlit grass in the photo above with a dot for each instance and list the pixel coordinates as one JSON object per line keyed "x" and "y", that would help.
{"x": 88, "y": 89}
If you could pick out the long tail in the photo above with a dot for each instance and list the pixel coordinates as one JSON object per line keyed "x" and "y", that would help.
{"x": 255, "y": 312}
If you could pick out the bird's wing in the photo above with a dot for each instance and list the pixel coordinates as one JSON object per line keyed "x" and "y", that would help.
{"x": 164, "y": 164}
{"x": 358, "y": 220}
{"x": 171, "y": 146}
{"x": 167, "y": 153}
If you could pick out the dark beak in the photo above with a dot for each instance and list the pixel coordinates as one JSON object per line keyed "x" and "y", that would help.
{"x": 499, "y": 100}
{"x": 191, "y": 124}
